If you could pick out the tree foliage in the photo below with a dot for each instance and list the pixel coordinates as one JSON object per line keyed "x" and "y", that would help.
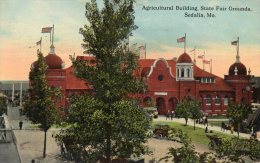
{"x": 186, "y": 153}
{"x": 41, "y": 108}
{"x": 107, "y": 123}
{"x": 237, "y": 112}
{"x": 189, "y": 108}
{"x": 235, "y": 150}
{"x": 3, "y": 105}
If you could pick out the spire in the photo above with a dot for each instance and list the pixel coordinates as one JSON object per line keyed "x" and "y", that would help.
{"x": 238, "y": 57}
{"x": 52, "y": 48}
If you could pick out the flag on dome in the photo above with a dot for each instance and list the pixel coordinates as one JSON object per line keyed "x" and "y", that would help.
{"x": 234, "y": 43}
{"x": 206, "y": 62}
{"x": 182, "y": 39}
{"x": 141, "y": 47}
{"x": 201, "y": 56}
{"x": 38, "y": 42}
{"x": 46, "y": 30}
{"x": 193, "y": 50}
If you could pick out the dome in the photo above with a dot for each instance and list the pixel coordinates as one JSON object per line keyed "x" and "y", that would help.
{"x": 241, "y": 69}
{"x": 53, "y": 61}
{"x": 184, "y": 58}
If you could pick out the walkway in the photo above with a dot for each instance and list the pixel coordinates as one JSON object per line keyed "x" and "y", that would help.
{"x": 191, "y": 123}
{"x": 30, "y": 140}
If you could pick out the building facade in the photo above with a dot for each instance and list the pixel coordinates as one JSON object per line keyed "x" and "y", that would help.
{"x": 168, "y": 82}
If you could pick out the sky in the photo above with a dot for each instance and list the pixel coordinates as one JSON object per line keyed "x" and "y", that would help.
{"x": 21, "y": 22}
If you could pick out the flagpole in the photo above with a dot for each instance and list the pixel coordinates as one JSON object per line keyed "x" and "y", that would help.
{"x": 203, "y": 61}
{"x": 238, "y": 59}
{"x": 194, "y": 55}
{"x": 52, "y": 33}
{"x": 185, "y": 43}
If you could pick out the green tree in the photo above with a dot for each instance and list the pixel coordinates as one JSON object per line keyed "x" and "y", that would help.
{"x": 189, "y": 108}
{"x": 41, "y": 108}
{"x": 195, "y": 110}
{"x": 109, "y": 124}
{"x": 183, "y": 110}
{"x": 186, "y": 153}
{"x": 237, "y": 112}
{"x": 235, "y": 150}
{"x": 3, "y": 105}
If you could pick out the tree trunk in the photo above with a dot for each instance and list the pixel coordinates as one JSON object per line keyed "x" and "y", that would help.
{"x": 108, "y": 145}
{"x": 186, "y": 121}
{"x": 44, "y": 145}
{"x": 238, "y": 129}
{"x": 194, "y": 124}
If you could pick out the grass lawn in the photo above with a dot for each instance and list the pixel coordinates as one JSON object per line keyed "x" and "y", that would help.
{"x": 216, "y": 123}
{"x": 217, "y": 117}
{"x": 197, "y": 136}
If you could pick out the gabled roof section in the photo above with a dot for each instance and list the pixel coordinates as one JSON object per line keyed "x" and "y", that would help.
{"x": 219, "y": 85}
{"x": 72, "y": 82}
{"x": 198, "y": 72}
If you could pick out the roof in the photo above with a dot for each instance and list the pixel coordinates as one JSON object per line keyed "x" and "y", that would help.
{"x": 73, "y": 82}
{"x": 241, "y": 69}
{"x": 53, "y": 61}
{"x": 184, "y": 58}
{"x": 219, "y": 85}
{"x": 145, "y": 67}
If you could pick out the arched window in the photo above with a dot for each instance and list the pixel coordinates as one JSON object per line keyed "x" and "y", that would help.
{"x": 182, "y": 72}
{"x": 226, "y": 100}
{"x": 208, "y": 100}
{"x": 188, "y": 72}
{"x": 217, "y": 100}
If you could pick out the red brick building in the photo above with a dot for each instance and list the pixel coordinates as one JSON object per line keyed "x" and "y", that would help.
{"x": 168, "y": 82}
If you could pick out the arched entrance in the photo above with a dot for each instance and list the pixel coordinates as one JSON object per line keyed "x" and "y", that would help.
{"x": 160, "y": 103}
{"x": 172, "y": 103}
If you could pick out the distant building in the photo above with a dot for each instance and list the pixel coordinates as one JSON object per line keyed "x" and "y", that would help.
{"x": 15, "y": 90}
{"x": 168, "y": 81}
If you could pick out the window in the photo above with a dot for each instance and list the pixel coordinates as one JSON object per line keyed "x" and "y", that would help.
{"x": 226, "y": 100}
{"x": 182, "y": 72}
{"x": 160, "y": 77}
{"x": 208, "y": 100}
{"x": 188, "y": 72}
{"x": 217, "y": 100}
{"x": 178, "y": 74}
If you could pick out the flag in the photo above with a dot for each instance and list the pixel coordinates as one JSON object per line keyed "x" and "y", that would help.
{"x": 39, "y": 42}
{"x": 46, "y": 30}
{"x": 193, "y": 50}
{"x": 141, "y": 47}
{"x": 234, "y": 43}
{"x": 206, "y": 62}
{"x": 182, "y": 39}
{"x": 200, "y": 56}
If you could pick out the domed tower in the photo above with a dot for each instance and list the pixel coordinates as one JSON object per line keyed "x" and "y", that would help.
{"x": 52, "y": 60}
{"x": 239, "y": 79}
{"x": 184, "y": 68}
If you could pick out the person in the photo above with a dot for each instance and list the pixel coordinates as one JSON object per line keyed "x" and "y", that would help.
{"x": 206, "y": 129}
{"x": 168, "y": 114}
{"x": 172, "y": 114}
{"x": 223, "y": 126}
{"x": 21, "y": 125}
{"x": 206, "y": 121}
